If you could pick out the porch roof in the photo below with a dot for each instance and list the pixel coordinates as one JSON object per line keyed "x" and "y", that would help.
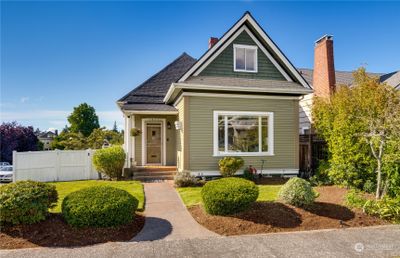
{"x": 148, "y": 108}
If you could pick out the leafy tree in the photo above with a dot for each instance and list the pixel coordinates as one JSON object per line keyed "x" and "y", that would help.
{"x": 76, "y": 141}
{"x": 15, "y": 137}
{"x": 65, "y": 129}
{"x": 83, "y": 120}
{"x": 40, "y": 146}
{"x": 97, "y": 137}
{"x": 361, "y": 125}
{"x": 69, "y": 141}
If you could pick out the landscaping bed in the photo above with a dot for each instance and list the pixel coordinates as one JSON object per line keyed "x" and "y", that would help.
{"x": 267, "y": 216}
{"x": 55, "y": 232}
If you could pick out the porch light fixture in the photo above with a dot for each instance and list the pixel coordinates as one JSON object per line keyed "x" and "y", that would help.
{"x": 178, "y": 125}
{"x": 168, "y": 125}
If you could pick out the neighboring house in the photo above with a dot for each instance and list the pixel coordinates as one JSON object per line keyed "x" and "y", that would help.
{"x": 324, "y": 79}
{"x": 241, "y": 98}
{"x": 47, "y": 138}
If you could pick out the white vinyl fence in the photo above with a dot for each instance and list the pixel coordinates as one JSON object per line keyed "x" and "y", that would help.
{"x": 57, "y": 165}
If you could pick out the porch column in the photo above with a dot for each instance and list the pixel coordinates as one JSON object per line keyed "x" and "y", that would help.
{"x": 133, "y": 141}
{"x": 128, "y": 139}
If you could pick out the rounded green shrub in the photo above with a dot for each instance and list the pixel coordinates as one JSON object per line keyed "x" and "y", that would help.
{"x": 297, "y": 192}
{"x": 26, "y": 202}
{"x": 229, "y": 165}
{"x": 228, "y": 195}
{"x": 110, "y": 161}
{"x": 99, "y": 206}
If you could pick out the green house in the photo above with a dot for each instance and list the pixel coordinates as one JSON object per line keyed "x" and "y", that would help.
{"x": 240, "y": 98}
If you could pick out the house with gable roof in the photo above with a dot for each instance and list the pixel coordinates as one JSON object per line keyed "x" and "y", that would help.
{"x": 240, "y": 98}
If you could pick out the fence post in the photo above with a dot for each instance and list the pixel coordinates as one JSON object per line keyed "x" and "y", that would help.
{"x": 88, "y": 165}
{"x": 14, "y": 162}
{"x": 58, "y": 165}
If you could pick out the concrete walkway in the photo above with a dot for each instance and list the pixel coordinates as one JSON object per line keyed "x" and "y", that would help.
{"x": 167, "y": 217}
{"x": 382, "y": 241}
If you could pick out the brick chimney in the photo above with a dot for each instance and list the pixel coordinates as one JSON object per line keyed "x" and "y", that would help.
{"x": 324, "y": 81}
{"x": 211, "y": 42}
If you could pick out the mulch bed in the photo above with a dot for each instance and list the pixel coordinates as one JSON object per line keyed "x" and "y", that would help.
{"x": 268, "y": 217}
{"x": 54, "y": 232}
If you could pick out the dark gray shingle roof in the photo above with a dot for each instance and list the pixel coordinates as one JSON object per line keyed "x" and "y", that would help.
{"x": 346, "y": 77}
{"x": 148, "y": 107}
{"x": 154, "y": 89}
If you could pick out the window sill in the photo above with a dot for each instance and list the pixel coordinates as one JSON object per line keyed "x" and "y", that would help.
{"x": 244, "y": 71}
{"x": 244, "y": 154}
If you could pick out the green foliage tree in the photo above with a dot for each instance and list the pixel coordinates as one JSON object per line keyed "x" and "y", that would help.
{"x": 97, "y": 137}
{"x": 69, "y": 141}
{"x": 76, "y": 141}
{"x": 83, "y": 119}
{"x": 361, "y": 125}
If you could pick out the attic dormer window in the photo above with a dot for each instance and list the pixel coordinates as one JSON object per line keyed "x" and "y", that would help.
{"x": 245, "y": 58}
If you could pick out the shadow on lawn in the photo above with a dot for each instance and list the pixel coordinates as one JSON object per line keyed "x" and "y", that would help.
{"x": 271, "y": 213}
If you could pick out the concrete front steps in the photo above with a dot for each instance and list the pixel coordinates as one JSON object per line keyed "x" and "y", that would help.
{"x": 154, "y": 173}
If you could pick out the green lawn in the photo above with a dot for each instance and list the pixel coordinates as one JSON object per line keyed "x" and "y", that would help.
{"x": 191, "y": 195}
{"x": 64, "y": 188}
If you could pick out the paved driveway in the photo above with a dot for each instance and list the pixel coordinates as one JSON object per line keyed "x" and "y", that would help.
{"x": 382, "y": 241}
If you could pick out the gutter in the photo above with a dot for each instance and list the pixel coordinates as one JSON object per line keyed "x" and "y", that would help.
{"x": 175, "y": 86}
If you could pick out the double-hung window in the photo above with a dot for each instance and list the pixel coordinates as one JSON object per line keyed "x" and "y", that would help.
{"x": 242, "y": 133}
{"x": 245, "y": 58}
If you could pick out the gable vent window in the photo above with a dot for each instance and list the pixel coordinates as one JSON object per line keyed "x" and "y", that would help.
{"x": 245, "y": 58}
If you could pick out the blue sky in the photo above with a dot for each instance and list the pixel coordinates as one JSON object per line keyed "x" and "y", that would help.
{"x": 56, "y": 55}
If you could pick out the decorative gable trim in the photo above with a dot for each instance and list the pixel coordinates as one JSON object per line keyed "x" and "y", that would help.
{"x": 228, "y": 37}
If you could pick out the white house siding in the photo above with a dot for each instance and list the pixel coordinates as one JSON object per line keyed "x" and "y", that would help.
{"x": 305, "y": 118}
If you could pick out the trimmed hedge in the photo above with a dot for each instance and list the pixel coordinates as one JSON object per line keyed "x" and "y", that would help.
{"x": 110, "y": 161}
{"x": 228, "y": 195}
{"x": 297, "y": 192}
{"x": 99, "y": 206}
{"x": 26, "y": 202}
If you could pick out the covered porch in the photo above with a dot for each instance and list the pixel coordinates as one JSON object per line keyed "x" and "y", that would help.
{"x": 154, "y": 146}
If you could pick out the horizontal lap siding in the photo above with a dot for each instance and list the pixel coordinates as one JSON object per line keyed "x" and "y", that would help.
{"x": 285, "y": 130}
{"x": 222, "y": 65}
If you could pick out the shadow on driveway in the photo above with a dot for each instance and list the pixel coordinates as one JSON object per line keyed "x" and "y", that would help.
{"x": 154, "y": 229}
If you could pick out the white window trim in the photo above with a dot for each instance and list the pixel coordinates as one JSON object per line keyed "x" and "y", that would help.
{"x": 236, "y": 46}
{"x": 162, "y": 121}
{"x": 270, "y": 151}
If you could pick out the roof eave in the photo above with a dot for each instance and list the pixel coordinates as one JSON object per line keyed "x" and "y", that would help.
{"x": 150, "y": 112}
{"x": 177, "y": 87}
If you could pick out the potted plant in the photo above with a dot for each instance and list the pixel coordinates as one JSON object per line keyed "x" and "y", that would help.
{"x": 135, "y": 132}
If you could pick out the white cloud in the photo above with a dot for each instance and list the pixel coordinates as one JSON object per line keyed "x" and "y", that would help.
{"x": 34, "y": 115}
{"x": 24, "y": 99}
{"x": 58, "y": 118}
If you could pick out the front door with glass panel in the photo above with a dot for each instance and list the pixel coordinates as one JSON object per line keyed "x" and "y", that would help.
{"x": 153, "y": 143}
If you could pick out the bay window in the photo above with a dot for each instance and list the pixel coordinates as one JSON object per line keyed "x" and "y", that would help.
{"x": 240, "y": 133}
